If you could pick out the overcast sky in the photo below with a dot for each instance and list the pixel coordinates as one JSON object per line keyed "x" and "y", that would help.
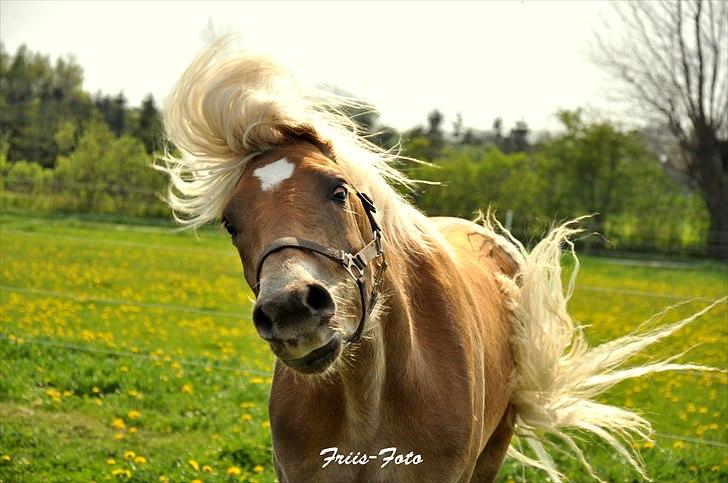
{"x": 517, "y": 60}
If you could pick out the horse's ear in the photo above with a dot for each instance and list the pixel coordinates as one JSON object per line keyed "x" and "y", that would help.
{"x": 305, "y": 132}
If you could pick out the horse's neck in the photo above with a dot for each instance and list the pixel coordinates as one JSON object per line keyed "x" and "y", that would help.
{"x": 388, "y": 356}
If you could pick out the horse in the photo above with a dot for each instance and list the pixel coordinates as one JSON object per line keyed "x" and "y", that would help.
{"x": 407, "y": 348}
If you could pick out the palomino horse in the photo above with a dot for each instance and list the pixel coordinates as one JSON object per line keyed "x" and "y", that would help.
{"x": 408, "y": 348}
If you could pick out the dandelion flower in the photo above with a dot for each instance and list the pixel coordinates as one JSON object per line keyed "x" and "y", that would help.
{"x": 258, "y": 469}
{"x": 140, "y": 460}
{"x": 678, "y": 445}
{"x": 118, "y": 423}
{"x": 234, "y": 471}
{"x": 118, "y": 436}
{"x": 196, "y": 481}
{"x": 163, "y": 478}
{"x": 256, "y": 380}
{"x": 194, "y": 464}
{"x": 265, "y": 424}
{"x": 246, "y": 417}
{"x": 133, "y": 414}
{"x": 129, "y": 455}
{"x": 121, "y": 472}
{"x": 207, "y": 469}
{"x": 5, "y": 458}
{"x": 110, "y": 461}
{"x": 187, "y": 388}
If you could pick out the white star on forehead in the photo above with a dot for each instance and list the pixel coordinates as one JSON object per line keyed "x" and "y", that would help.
{"x": 273, "y": 174}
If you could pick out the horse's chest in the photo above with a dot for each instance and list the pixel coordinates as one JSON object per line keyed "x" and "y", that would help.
{"x": 400, "y": 447}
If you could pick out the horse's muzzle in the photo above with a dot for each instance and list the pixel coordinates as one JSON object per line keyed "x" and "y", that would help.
{"x": 295, "y": 320}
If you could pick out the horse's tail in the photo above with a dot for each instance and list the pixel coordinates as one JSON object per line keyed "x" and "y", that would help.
{"x": 558, "y": 375}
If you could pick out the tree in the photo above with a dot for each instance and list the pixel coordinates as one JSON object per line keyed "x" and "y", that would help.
{"x": 113, "y": 110}
{"x": 148, "y": 126}
{"x": 36, "y": 98}
{"x": 672, "y": 61}
{"x": 435, "y": 133}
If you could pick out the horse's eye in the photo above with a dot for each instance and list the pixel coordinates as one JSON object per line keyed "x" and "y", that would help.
{"x": 339, "y": 194}
{"x": 230, "y": 229}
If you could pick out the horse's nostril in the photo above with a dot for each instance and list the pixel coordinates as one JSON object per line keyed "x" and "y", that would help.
{"x": 319, "y": 300}
{"x": 263, "y": 323}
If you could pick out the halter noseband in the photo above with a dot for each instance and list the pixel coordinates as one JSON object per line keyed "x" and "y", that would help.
{"x": 354, "y": 264}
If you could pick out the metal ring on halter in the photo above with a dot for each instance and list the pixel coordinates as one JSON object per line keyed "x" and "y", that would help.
{"x": 355, "y": 264}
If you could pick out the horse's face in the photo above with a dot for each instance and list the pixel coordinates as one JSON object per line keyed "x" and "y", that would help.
{"x": 307, "y": 304}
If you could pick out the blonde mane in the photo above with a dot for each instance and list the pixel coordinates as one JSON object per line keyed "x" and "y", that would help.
{"x": 229, "y": 107}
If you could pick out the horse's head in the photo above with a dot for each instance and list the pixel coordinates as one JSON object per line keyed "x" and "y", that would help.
{"x": 289, "y": 209}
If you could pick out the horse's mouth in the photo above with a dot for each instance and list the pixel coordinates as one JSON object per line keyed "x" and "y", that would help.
{"x": 318, "y": 360}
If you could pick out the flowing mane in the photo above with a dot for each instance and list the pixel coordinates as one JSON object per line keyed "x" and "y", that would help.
{"x": 229, "y": 107}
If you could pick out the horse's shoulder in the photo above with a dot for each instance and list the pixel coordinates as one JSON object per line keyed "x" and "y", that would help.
{"x": 470, "y": 240}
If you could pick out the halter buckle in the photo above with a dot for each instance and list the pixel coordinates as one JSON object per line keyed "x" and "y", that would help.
{"x": 352, "y": 265}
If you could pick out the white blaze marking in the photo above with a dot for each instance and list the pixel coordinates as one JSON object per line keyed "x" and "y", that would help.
{"x": 273, "y": 174}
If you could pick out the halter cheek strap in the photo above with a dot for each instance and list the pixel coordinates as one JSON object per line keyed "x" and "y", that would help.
{"x": 355, "y": 264}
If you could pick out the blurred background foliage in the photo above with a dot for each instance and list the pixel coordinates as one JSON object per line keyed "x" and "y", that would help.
{"x": 64, "y": 150}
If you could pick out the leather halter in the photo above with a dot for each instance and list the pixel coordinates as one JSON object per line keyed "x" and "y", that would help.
{"x": 355, "y": 264}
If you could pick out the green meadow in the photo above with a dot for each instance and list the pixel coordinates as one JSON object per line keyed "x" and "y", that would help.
{"x": 127, "y": 352}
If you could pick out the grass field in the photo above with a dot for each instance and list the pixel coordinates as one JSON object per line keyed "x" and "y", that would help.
{"x": 128, "y": 352}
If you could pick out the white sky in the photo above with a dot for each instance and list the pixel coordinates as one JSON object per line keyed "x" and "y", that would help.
{"x": 517, "y": 60}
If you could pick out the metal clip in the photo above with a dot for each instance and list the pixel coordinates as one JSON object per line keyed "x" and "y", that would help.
{"x": 349, "y": 263}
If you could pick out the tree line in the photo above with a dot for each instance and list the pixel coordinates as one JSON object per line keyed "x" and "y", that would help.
{"x": 63, "y": 149}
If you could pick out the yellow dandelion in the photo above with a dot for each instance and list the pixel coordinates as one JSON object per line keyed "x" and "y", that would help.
{"x": 703, "y": 410}
{"x": 163, "y": 479}
{"x": 5, "y": 458}
{"x": 118, "y": 423}
{"x": 124, "y": 369}
{"x": 187, "y": 388}
{"x": 234, "y": 471}
{"x": 67, "y": 393}
{"x": 95, "y": 390}
{"x": 265, "y": 424}
{"x": 129, "y": 455}
{"x": 194, "y": 464}
{"x": 678, "y": 445}
{"x": 247, "y": 405}
{"x": 207, "y": 469}
{"x": 256, "y": 380}
{"x": 110, "y": 461}
{"x": 258, "y": 469}
{"x": 119, "y": 472}
{"x": 118, "y": 436}
{"x": 140, "y": 460}
{"x": 246, "y": 417}
{"x": 133, "y": 414}
{"x": 648, "y": 445}
{"x": 132, "y": 430}
{"x": 196, "y": 481}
